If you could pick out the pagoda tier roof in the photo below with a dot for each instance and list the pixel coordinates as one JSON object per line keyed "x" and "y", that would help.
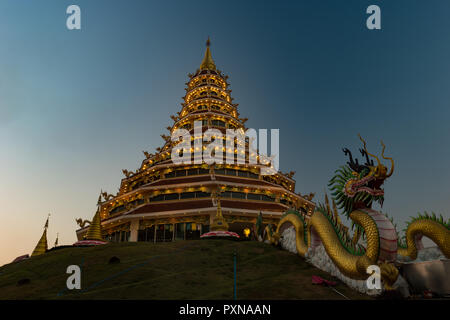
{"x": 178, "y": 205}
{"x": 236, "y": 204}
{"x": 207, "y": 178}
{"x": 172, "y": 181}
{"x": 201, "y": 204}
{"x": 195, "y": 208}
{"x": 187, "y": 205}
{"x": 207, "y": 203}
{"x": 245, "y": 181}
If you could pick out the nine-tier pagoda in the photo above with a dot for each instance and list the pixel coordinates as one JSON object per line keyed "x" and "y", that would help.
{"x": 165, "y": 201}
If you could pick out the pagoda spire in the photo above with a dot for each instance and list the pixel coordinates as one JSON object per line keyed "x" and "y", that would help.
{"x": 41, "y": 246}
{"x": 208, "y": 62}
{"x": 56, "y": 241}
{"x": 95, "y": 229}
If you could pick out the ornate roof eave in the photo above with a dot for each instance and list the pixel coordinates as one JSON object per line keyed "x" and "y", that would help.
{"x": 213, "y": 100}
{"x": 215, "y": 74}
{"x": 222, "y": 182}
{"x": 206, "y": 113}
{"x": 149, "y": 187}
{"x": 130, "y": 214}
{"x": 168, "y": 165}
{"x": 204, "y": 87}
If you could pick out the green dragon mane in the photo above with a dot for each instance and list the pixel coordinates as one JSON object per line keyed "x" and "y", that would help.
{"x": 342, "y": 232}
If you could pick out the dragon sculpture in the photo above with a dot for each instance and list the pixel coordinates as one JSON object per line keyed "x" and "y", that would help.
{"x": 129, "y": 173}
{"x": 106, "y": 196}
{"x": 355, "y": 188}
{"x": 82, "y": 222}
{"x": 148, "y": 155}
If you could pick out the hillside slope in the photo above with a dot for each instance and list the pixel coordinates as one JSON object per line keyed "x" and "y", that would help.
{"x": 200, "y": 269}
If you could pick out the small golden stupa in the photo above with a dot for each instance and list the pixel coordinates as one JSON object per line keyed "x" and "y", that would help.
{"x": 93, "y": 235}
{"x": 41, "y": 246}
{"x": 95, "y": 229}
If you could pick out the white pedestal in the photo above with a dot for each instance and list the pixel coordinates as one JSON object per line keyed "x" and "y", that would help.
{"x": 134, "y": 227}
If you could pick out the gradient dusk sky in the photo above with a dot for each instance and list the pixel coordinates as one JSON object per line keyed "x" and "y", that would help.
{"x": 77, "y": 107}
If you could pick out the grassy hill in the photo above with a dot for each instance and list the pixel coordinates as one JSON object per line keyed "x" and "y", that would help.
{"x": 200, "y": 269}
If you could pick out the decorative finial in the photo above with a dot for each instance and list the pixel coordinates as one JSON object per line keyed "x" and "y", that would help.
{"x": 46, "y": 222}
{"x": 56, "y": 241}
{"x": 208, "y": 62}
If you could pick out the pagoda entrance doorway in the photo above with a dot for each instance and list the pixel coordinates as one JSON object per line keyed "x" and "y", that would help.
{"x": 188, "y": 231}
{"x": 148, "y": 234}
{"x": 179, "y": 231}
{"x": 193, "y": 231}
{"x": 164, "y": 232}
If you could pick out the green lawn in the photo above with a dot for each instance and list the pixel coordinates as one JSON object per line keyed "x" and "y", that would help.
{"x": 200, "y": 269}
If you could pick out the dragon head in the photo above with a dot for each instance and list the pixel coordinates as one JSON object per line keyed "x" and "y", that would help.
{"x": 359, "y": 185}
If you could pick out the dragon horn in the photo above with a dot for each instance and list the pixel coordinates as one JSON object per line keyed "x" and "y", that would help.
{"x": 327, "y": 202}
{"x": 365, "y": 149}
{"x": 387, "y": 158}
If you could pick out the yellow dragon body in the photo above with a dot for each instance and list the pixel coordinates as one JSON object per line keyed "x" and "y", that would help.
{"x": 431, "y": 227}
{"x": 355, "y": 188}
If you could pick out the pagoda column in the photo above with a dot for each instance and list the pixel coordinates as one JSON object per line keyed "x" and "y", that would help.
{"x": 134, "y": 227}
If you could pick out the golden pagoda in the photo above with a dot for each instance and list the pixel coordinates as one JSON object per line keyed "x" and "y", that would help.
{"x": 167, "y": 201}
{"x": 41, "y": 246}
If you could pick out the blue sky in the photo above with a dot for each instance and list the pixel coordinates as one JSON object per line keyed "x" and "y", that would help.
{"x": 76, "y": 107}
